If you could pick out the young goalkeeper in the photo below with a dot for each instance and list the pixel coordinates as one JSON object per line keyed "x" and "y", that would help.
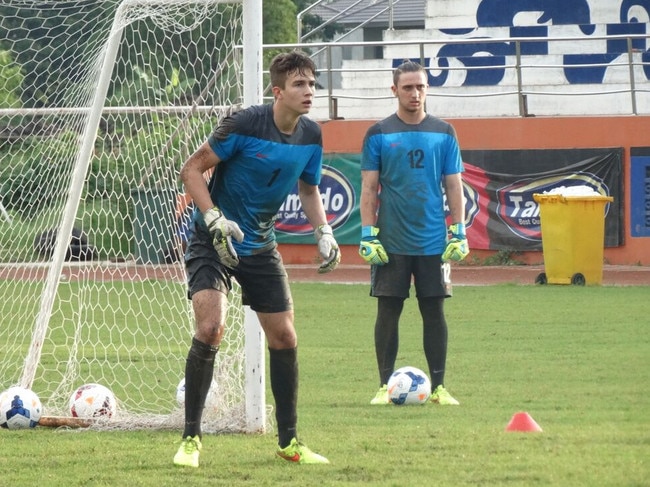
{"x": 406, "y": 159}
{"x": 257, "y": 154}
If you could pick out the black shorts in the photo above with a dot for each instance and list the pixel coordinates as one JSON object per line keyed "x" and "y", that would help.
{"x": 262, "y": 277}
{"x": 432, "y": 277}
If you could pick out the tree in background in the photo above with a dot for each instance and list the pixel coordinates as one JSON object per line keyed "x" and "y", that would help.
{"x": 280, "y": 17}
{"x": 10, "y": 81}
{"x": 49, "y": 66}
{"x": 279, "y": 22}
{"x": 311, "y": 21}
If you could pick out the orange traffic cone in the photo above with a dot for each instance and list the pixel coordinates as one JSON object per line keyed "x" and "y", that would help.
{"x": 522, "y": 422}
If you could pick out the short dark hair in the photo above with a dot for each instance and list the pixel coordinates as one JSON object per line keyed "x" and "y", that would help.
{"x": 407, "y": 66}
{"x": 288, "y": 62}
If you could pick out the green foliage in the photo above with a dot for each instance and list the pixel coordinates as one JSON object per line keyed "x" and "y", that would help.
{"x": 49, "y": 66}
{"x": 108, "y": 225}
{"x": 311, "y": 22}
{"x": 37, "y": 72}
{"x": 11, "y": 80}
{"x": 279, "y": 22}
{"x": 279, "y": 26}
{"x": 127, "y": 156}
{"x": 504, "y": 257}
{"x": 572, "y": 360}
{"x": 107, "y": 212}
{"x": 32, "y": 182}
{"x": 17, "y": 239}
{"x": 160, "y": 82}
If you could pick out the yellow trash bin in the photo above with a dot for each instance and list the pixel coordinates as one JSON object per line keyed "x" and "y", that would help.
{"x": 573, "y": 238}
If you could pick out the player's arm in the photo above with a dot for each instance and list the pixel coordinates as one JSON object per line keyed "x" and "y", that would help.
{"x": 368, "y": 202}
{"x": 192, "y": 174}
{"x": 457, "y": 247}
{"x": 370, "y": 247}
{"x": 222, "y": 230}
{"x": 312, "y": 205}
{"x": 454, "y": 191}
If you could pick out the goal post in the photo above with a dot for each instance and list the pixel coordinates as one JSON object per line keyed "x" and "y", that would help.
{"x": 96, "y": 264}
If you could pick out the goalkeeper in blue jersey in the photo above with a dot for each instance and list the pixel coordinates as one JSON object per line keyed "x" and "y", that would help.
{"x": 406, "y": 160}
{"x": 256, "y": 157}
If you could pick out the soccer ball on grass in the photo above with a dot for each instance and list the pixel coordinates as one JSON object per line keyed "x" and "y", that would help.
{"x": 19, "y": 408}
{"x": 93, "y": 401}
{"x": 409, "y": 385}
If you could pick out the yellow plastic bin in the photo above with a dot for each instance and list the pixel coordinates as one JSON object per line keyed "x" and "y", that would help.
{"x": 573, "y": 238}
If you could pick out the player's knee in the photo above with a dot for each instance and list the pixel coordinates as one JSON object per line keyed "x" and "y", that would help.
{"x": 282, "y": 339}
{"x": 210, "y": 332}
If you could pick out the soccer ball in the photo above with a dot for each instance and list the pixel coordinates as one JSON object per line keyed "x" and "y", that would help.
{"x": 180, "y": 392}
{"x": 19, "y": 408}
{"x": 210, "y": 401}
{"x": 409, "y": 385}
{"x": 93, "y": 401}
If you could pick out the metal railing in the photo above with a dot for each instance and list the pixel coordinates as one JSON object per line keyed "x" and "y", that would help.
{"x": 519, "y": 63}
{"x": 632, "y": 60}
{"x": 352, "y": 8}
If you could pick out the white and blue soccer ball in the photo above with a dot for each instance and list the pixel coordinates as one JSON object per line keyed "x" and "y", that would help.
{"x": 180, "y": 392}
{"x": 211, "y": 402}
{"x": 93, "y": 401}
{"x": 19, "y": 408}
{"x": 409, "y": 385}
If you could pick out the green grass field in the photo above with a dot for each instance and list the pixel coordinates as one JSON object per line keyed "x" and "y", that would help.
{"x": 577, "y": 359}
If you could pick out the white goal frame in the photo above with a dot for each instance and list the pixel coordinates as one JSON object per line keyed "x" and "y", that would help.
{"x": 252, "y": 93}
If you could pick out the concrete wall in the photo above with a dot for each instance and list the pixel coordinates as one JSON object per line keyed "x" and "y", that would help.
{"x": 559, "y": 78}
{"x": 446, "y": 14}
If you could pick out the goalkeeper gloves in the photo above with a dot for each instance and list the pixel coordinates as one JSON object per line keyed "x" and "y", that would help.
{"x": 457, "y": 248}
{"x": 370, "y": 248}
{"x": 327, "y": 248}
{"x": 222, "y": 231}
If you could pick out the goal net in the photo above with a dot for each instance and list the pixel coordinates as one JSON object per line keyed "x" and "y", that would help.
{"x": 101, "y": 101}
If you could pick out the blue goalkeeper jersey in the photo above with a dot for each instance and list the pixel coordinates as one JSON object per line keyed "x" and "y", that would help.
{"x": 259, "y": 167}
{"x": 412, "y": 161}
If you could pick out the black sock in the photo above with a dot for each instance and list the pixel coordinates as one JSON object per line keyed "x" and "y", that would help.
{"x": 283, "y": 365}
{"x": 434, "y": 338}
{"x": 199, "y": 368}
{"x": 389, "y": 310}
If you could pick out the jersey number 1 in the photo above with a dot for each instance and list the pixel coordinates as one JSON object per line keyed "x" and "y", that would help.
{"x": 274, "y": 176}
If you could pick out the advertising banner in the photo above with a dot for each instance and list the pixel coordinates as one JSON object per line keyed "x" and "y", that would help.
{"x": 499, "y": 187}
{"x": 640, "y": 191}
{"x": 339, "y": 188}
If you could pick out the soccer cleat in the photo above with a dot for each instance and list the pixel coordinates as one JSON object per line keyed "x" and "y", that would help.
{"x": 188, "y": 453}
{"x": 298, "y": 453}
{"x": 442, "y": 397}
{"x": 381, "y": 397}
